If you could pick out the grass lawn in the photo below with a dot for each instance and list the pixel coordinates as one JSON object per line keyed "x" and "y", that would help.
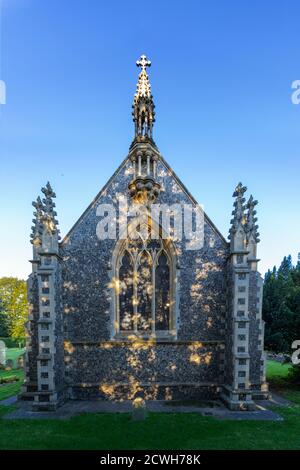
{"x": 277, "y": 370}
{"x": 158, "y": 431}
{"x": 277, "y": 377}
{"x": 8, "y": 390}
{"x": 11, "y": 389}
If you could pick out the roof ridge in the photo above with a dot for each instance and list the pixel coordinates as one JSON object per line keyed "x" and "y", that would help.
{"x": 183, "y": 187}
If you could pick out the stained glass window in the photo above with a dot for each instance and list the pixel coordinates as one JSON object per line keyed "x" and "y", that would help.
{"x": 126, "y": 293}
{"x": 162, "y": 293}
{"x": 144, "y": 293}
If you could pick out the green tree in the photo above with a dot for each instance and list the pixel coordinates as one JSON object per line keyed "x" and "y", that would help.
{"x": 298, "y": 262}
{"x": 281, "y": 306}
{"x": 286, "y": 267}
{"x": 3, "y": 322}
{"x": 295, "y": 305}
{"x": 13, "y": 305}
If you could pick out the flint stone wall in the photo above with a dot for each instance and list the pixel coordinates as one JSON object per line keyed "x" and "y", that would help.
{"x": 86, "y": 297}
{"x": 115, "y": 369}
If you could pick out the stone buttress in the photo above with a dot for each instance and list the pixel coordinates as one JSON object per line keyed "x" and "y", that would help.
{"x": 245, "y": 367}
{"x": 44, "y": 365}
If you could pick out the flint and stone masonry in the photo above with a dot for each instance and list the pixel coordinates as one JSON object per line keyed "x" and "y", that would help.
{"x": 117, "y": 319}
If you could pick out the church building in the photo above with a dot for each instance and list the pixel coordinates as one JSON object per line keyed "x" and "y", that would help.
{"x": 126, "y": 307}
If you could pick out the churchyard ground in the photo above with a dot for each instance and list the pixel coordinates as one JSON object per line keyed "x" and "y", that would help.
{"x": 158, "y": 431}
{"x": 14, "y": 376}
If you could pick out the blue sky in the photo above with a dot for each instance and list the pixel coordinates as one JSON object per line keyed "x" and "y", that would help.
{"x": 221, "y": 78}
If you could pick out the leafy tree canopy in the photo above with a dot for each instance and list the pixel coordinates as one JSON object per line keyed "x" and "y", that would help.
{"x": 13, "y": 307}
{"x": 281, "y": 308}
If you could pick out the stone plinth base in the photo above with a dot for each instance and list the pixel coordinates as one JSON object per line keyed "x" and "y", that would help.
{"x": 46, "y": 406}
{"x": 42, "y": 400}
{"x": 237, "y": 400}
{"x": 261, "y": 391}
{"x": 157, "y": 391}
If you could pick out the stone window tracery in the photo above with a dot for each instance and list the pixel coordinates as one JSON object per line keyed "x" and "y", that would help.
{"x": 145, "y": 287}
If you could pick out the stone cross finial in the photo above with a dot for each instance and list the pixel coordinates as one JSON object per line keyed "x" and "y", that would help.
{"x": 238, "y": 211}
{"x": 37, "y": 228}
{"x": 45, "y": 215}
{"x": 239, "y": 207}
{"x": 50, "y": 214}
{"x": 239, "y": 190}
{"x": 143, "y": 62}
{"x": 48, "y": 191}
{"x": 143, "y": 107}
{"x": 252, "y": 228}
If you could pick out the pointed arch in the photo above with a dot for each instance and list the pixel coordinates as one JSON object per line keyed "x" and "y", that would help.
{"x": 144, "y": 287}
{"x": 144, "y": 269}
{"x": 162, "y": 292}
{"x": 126, "y": 291}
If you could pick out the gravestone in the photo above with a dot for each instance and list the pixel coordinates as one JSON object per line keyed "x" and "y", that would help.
{"x": 139, "y": 411}
{"x": 2, "y": 353}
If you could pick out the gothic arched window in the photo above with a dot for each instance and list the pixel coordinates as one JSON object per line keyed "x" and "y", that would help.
{"x": 126, "y": 292}
{"x": 144, "y": 291}
{"x": 144, "y": 301}
{"x": 162, "y": 293}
